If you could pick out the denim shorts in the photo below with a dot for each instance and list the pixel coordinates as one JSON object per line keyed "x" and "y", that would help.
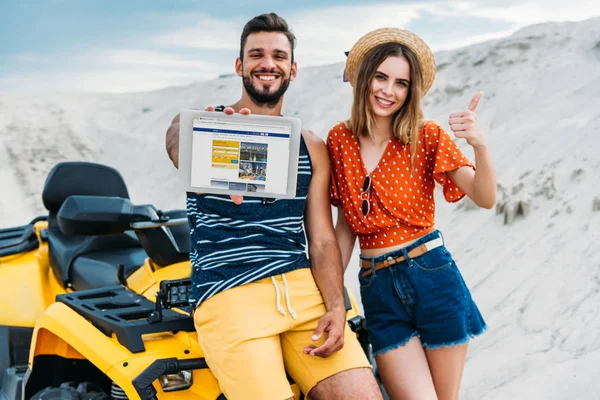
{"x": 423, "y": 296}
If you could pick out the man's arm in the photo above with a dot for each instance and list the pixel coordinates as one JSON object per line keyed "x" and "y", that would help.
{"x": 172, "y": 141}
{"x": 345, "y": 238}
{"x": 325, "y": 256}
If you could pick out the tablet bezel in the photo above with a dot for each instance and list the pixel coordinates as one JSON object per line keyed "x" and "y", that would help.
{"x": 186, "y": 123}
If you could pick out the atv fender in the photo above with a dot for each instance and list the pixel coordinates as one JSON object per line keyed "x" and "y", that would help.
{"x": 62, "y": 332}
{"x": 28, "y": 288}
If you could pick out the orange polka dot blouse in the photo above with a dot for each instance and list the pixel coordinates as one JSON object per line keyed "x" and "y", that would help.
{"x": 402, "y": 205}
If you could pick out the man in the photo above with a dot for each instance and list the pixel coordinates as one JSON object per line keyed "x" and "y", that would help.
{"x": 263, "y": 308}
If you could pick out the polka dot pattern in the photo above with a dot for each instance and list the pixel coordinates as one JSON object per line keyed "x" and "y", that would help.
{"x": 402, "y": 201}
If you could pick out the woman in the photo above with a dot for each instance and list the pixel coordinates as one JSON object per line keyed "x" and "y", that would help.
{"x": 385, "y": 162}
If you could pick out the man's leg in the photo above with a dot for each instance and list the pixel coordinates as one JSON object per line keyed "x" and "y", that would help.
{"x": 345, "y": 374}
{"x": 238, "y": 331}
{"x": 356, "y": 383}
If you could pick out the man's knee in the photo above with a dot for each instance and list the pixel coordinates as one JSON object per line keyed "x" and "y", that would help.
{"x": 354, "y": 383}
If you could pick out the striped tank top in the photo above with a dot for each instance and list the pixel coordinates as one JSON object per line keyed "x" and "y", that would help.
{"x": 232, "y": 245}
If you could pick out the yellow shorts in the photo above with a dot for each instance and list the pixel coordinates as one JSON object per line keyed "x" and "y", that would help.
{"x": 249, "y": 344}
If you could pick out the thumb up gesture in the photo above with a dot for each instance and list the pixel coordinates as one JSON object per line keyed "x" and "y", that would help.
{"x": 464, "y": 124}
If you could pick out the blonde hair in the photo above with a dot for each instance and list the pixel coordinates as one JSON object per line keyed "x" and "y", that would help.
{"x": 409, "y": 119}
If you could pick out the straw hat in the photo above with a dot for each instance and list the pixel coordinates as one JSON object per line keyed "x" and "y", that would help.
{"x": 392, "y": 35}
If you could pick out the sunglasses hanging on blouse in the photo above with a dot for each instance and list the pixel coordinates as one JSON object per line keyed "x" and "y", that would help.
{"x": 365, "y": 192}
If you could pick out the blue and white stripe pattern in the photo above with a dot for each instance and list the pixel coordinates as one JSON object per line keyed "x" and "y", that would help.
{"x": 236, "y": 244}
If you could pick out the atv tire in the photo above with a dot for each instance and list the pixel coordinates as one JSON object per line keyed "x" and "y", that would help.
{"x": 72, "y": 391}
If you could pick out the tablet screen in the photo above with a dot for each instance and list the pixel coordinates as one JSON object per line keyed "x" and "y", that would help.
{"x": 240, "y": 156}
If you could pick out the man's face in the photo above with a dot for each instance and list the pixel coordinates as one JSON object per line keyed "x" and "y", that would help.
{"x": 267, "y": 68}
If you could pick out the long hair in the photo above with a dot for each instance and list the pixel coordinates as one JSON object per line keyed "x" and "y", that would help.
{"x": 409, "y": 119}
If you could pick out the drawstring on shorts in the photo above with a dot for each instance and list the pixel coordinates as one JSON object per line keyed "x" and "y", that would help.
{"x": 286, "y": 295}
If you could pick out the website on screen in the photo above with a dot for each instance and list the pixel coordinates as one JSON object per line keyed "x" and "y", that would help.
{"x": 233, "y": 155}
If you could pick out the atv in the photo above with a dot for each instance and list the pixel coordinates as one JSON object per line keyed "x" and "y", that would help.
{"x": 94, "y": 300}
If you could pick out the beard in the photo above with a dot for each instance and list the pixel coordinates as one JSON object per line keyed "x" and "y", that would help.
{"x": 264, "y": 98}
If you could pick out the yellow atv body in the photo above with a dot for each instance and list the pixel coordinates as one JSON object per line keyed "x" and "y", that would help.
{"x": 94, "y": 305}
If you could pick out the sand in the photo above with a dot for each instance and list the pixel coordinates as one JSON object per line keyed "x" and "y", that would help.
{"x": 533, "y": 264}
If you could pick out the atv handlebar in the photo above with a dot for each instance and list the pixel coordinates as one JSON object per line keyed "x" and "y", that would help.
{"x": 97, "y": 215}
{"x": 158, "y": 223}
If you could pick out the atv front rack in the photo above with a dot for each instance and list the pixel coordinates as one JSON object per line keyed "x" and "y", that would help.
{"x": 123, "y": 312}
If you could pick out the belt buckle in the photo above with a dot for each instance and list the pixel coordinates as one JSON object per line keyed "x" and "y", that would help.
{"x": 432, "y": 244}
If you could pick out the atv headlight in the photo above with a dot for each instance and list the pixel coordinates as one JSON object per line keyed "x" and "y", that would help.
{"x": 179, "y": 381}
{"x": 177, "y": 292}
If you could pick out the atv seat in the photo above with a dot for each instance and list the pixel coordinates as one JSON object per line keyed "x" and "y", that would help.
{"x": 167, "y": 246}
{"x": 97, "y": 269}
{"x": 86, "y": 262}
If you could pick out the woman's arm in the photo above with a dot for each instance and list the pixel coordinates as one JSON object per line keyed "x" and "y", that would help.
{"x": 479, "y": 185}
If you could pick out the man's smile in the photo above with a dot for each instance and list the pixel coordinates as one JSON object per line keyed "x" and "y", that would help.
{"x": 266, "y": 77}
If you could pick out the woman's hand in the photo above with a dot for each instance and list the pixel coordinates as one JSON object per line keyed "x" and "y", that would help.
{"x": 465, "y": 125}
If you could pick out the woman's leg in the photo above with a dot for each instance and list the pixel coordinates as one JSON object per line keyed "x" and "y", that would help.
{"x": 446, "y": 365}
{"x": 405, "y": 372}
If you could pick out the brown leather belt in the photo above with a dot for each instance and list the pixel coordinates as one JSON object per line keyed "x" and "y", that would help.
{"x": 416, "y": 252}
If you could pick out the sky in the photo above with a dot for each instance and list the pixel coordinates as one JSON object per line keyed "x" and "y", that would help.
{"x": 140, "y": 45}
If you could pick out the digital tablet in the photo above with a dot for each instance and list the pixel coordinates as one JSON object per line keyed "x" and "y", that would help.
{"x": 248, "y": 155}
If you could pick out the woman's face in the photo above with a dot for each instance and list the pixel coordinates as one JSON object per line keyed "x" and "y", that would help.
{"x": 390, "y": 86}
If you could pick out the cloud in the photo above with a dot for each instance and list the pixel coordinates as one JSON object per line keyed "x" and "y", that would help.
{"x": 467, "y": 41}
{"x": 135, "y": 57}
{"x": 171, "y": 57}
{"x": 32, "y": 58}
{"x": 532, "y": 11}
{"x": 207, "y": 33}
{"x": 324, "y": 34}
{"x": 112, "y": 80}
{"x": 112, "y": 70}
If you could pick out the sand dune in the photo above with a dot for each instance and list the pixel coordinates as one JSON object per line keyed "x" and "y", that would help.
{"x": 533, "y": 264}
